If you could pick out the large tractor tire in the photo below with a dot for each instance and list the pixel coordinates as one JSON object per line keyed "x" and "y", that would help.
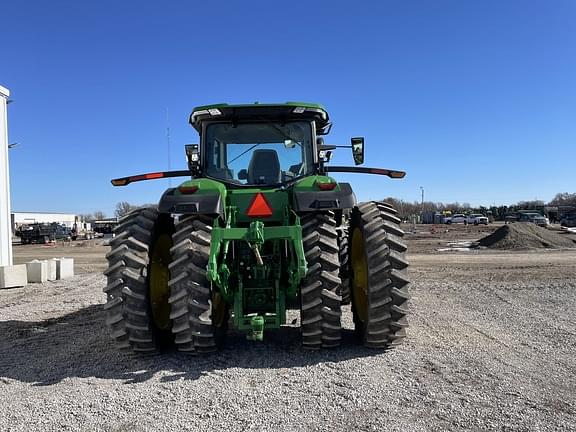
{"x": 320, "y": 291}
{"x": 137, "y": 309}
{"x": 199, "y": 313}
{"x": 378, "y": 275}
{"x": 344, "y": 272}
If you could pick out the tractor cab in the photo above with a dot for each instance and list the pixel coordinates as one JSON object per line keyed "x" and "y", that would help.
{"x": 257, "y": 145}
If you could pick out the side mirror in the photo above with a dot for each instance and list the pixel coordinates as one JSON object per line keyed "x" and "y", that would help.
{"x": 358, "y": 150}
{"x": 242, "y": 174}
{"x": 193, "y": 156}
{"x": 325, "y": 155}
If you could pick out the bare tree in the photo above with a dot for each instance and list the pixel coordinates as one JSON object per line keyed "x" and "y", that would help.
{"x": 564, "y": 199}
{"x": 530, "y": 205}
{"x": 99, "y": 215}
{"x": 123, "y": 208}
{"x": 85, "y": 217}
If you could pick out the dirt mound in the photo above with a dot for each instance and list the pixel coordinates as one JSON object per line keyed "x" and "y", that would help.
{"x": 525, "y": 236}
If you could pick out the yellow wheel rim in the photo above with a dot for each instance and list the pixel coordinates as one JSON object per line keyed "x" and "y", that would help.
{"x": 159, "y": 276}
{"x": 219, "y": 309}
{"x": 359, "y": 274}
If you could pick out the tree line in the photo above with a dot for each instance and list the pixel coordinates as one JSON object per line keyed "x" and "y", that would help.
{"x": 122, "y": 208}
{"x": 407, "y": 209}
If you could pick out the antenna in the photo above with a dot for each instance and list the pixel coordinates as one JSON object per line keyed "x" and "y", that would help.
{"x": 168, "y": 145}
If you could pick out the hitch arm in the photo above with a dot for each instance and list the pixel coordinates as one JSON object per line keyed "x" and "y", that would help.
{"x": 363, "y": 170}
{"x": 123, "y": 181}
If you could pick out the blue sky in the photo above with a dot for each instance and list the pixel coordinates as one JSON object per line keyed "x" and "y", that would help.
{"x": 476, "y": 100}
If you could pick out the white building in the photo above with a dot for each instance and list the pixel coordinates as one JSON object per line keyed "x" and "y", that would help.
{"x": 5, "y": 238}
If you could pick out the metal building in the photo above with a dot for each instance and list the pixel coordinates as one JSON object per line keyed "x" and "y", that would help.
{"x": 5, "y": 234}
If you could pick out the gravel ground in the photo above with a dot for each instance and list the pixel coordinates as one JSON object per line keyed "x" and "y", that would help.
{"x": 491, "y": 347}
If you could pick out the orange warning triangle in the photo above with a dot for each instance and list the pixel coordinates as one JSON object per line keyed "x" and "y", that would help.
{"x": 259, "y": 207}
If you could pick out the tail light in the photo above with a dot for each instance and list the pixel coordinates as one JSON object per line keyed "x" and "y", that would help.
{"x": 187, "y": 190}
{"x": 326, "y": 186}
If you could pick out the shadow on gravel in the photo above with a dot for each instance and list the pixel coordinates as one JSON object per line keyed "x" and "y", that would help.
{"x": 78, "y": 345}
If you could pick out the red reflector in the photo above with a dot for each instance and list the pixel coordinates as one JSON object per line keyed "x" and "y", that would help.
{"x": 154, "y": 175}
{"x": 188, "y": 189}
{"x": 397, "y": 174}
{"x": 259, "y": 207}
{"x": 326, "y": 186}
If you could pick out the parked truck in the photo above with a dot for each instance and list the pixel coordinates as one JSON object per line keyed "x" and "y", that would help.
{"x": 82, "y": 230}
{"x": 105, "y": 226}
{"x": 456, "y": 219}
{"x": 44, "y": 233}
{"x": 477, "y": 219}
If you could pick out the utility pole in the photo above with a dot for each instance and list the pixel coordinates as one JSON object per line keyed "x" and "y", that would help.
{"x": 422, "y": 204}
{"x": 5, "y": 219}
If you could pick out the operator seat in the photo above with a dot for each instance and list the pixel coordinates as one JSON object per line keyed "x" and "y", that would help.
{"x": 264, "y": 167}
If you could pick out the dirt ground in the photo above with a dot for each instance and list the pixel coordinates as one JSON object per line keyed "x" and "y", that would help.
{"x": 491, "y": 346}
{"x": 89, "y": 255}
{"x": 429, "y": 238}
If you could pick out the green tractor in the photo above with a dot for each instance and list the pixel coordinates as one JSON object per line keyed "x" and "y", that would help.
{"x": 260, "y": 228}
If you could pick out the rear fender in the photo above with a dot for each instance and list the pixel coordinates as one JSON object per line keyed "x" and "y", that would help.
{"x": 198, "y": 196}
{"x": 313, "y": 200}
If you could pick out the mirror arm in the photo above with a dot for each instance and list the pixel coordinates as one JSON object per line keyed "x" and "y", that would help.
{"x": 332, "y": 147}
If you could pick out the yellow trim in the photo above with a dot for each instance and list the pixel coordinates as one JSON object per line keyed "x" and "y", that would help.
{"x": 158, "y": 286}
{"x": 359, "y": 264}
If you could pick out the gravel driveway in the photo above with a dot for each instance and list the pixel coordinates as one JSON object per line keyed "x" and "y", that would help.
{"x": 492, "y": 346}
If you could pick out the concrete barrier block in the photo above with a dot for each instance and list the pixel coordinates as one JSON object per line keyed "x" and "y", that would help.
{"x": 64, "y": 268}
{"x": 51, "y": 270}
{"x": 37, "y": 271}
{"x": 13, "y": 276}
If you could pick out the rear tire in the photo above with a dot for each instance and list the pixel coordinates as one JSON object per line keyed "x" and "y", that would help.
{"x": 320, "y": 291}
{"x": 199, "y": 314}
{"x": 129, "y": 312}
{"x": 378, "y": 275}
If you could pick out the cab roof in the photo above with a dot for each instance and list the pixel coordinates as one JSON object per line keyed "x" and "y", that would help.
{"x": 262, "y": 112}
